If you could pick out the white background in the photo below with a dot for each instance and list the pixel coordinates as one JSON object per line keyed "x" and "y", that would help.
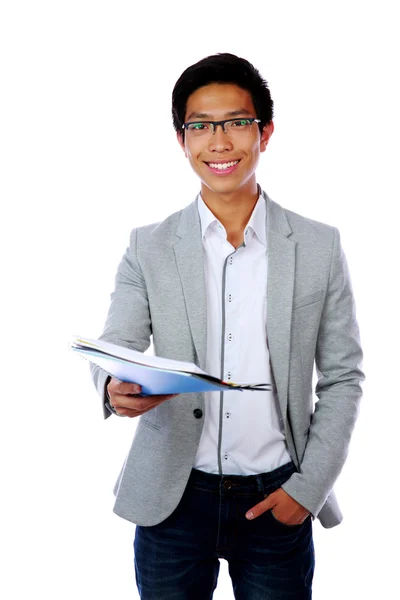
{"x": 87, "y": 153}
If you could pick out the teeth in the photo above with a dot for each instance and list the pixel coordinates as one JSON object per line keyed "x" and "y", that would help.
{"x": 223, "y": 166}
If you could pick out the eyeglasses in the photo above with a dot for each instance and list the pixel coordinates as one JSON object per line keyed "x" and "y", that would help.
{"x": 231, "y": 127}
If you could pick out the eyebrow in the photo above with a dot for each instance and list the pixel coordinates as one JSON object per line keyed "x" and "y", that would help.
{"x": 233, "y": 113}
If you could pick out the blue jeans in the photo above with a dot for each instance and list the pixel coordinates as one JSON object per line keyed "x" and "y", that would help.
{"x": 268, "y": 560}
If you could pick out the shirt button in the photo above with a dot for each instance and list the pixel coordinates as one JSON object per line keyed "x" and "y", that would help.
{"x": 228, "y": 414}
{"x": 230, "y": 298}
{"x": 230, "y": 337}
{"x": 226, "y": 456}
{"x": 198, "y": 413}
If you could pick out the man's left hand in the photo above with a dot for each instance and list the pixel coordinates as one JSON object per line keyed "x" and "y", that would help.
{"x": 284, "y": 508}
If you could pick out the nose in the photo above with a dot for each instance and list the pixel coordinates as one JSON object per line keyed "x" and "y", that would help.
{"x": 220, "y": 140}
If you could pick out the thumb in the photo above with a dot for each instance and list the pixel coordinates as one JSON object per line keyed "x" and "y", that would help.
{"x": 261, "y": 507}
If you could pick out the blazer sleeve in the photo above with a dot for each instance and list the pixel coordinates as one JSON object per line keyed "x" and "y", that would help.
{"x": 128, "y": 321}
{"x": 338, "y": 362}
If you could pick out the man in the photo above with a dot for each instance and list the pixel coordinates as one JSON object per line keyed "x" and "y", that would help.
{"x": 252, "y": 293}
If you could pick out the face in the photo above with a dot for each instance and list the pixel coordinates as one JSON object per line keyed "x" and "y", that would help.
{"x": 216, "y": 102}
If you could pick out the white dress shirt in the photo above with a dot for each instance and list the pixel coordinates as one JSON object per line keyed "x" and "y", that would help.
{"x": 243, "y": 431}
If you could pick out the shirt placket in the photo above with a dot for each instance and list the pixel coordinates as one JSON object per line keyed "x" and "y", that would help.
{"x": 230, "y": 334}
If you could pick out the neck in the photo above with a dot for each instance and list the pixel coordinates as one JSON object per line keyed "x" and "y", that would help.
{"x": 233, "y": 209}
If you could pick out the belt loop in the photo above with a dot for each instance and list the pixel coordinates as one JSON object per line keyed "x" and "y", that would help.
{"x": 260, "y": 484}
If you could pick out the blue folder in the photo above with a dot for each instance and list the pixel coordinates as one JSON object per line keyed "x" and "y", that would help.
{"x": 128, "y": 365}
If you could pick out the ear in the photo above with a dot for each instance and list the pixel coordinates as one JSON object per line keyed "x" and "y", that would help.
{"x": 181, "y": 141}
{"x": 268, "y": 130}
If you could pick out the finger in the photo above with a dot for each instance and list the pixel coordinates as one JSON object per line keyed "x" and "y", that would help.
{"x": 130, "y": 412}
{"x": 124, "y": 387}
{"x": 137, "y": 403}
{"x": 126, "y": 412}
{"x": 260, "y": 508}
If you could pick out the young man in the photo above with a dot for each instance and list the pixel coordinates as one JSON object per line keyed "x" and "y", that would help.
{"x": 252, "y": 293}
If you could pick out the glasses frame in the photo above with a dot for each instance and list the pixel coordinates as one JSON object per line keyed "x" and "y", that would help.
{"x": 222, "y": 123}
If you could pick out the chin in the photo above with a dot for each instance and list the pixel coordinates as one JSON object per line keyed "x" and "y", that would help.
{"x": 224, "y": 187}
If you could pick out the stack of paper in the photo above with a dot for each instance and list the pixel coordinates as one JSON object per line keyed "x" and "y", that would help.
{"x": 155, "y": 374}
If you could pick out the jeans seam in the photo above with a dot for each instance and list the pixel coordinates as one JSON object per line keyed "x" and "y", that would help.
{"x": 219, "y": 518}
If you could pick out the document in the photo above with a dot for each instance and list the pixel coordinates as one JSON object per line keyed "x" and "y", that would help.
{"x": 156, "y": 375}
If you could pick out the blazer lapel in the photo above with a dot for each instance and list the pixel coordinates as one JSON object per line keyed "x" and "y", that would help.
{"x": 280, "y": 288}
{"x": 189, "y": 259}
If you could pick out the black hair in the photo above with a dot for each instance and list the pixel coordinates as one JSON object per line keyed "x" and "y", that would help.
{"x": 222, "y": 68}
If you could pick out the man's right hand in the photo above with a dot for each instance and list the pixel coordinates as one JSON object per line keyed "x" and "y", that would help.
{"x": 124, "y": 398}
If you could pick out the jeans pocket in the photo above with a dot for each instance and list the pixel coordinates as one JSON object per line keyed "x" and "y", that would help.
{"x": 286, "y": 525}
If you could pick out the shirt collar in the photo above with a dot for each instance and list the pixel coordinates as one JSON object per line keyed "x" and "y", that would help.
{"x": 256, "y": 221}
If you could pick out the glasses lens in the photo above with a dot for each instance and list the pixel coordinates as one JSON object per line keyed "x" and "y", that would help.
{"x": 238, "y": 126}
{"x": 200, "y": 129}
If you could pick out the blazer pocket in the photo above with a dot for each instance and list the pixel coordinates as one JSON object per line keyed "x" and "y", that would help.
{"x": 150, "y": 419}
{"x": 301, "y": 301}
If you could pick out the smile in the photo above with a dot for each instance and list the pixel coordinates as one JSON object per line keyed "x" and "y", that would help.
{"x": 223, "y": 167}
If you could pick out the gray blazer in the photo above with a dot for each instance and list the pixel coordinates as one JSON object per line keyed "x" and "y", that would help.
{"x": 160, "y": 291}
